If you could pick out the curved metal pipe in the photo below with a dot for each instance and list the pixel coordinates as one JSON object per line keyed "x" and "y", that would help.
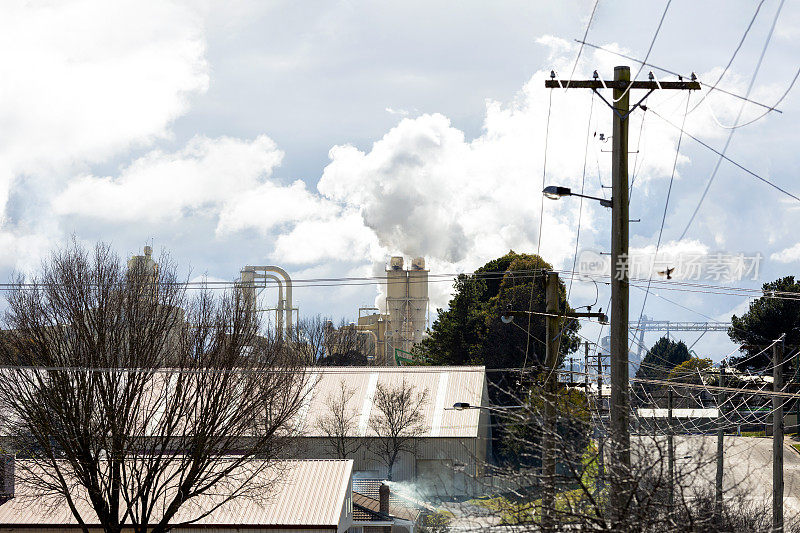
{"x": 287, "y": 280}
{"x": 281, "y": 303}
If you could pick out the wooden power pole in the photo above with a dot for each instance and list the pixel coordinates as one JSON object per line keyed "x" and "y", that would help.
{"x": 621, "y": 479}
{"x": 586, "y": 369}
{"x": 670, "y": 453}
{"x": 721, "y": 399}
{"x": 550, "y": 399}
{"x": 600, "y": 434}
{"x": 777, "y": 437}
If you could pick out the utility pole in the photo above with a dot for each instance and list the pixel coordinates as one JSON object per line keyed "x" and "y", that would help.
{"x": 720, "y": 447}
{"x": 586, "y": 370}
{"x": 621, "y": 478}
{"x": 797, "y": 390}
{"x": 670, "y": 453}
{"x": 600, "y": 435}
{"x": 620, "y": 395}
{"x": 777, "y": 437}
{"x": 551, "y": 394}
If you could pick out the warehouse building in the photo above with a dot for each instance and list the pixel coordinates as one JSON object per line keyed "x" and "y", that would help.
{"x": 451, "y": 449}
{"x": 311, "y": 496}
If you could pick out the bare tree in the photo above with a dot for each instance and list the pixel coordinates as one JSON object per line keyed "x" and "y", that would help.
{"x": 398, "y": 421}
{"x": 345, "y": 345}
{"x": 317, "y": 340}
{"x": 672, "y": 474}
{"x": 140, "y": 397}
{"x": 339, "y": 423}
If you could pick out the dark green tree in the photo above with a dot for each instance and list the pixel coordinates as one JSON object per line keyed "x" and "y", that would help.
{"x": 470, "y": 331}
{"x": 768, "y": 317}
{"x": 665, "y": 355}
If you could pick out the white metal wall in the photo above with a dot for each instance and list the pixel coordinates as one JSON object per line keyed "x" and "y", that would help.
{"x": 441, "y": 457}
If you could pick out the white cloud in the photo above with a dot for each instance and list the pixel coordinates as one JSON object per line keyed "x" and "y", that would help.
{"x": 343, "y": 238}
{"x": 401, "y": 112}
{"x": 788, "y": 255}
{"x": 424, "y": 189}
{"x": 23, "y": 252}
{"x": 270, "y": 205}
{"x": 91, "y": 78}
{"x": 84, "y": 81}
{"x": 204, "y": 175}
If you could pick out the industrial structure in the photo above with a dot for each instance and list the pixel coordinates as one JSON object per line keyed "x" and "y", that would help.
{"x": 393, "y": 334}
{"x": 648, "y": 324}
{"x": 406, "y": 304}
{"x": 144, "y": 262}
{"x": 254, "y": 279}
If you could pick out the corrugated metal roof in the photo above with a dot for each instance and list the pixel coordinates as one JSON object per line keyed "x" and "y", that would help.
{"x": 308, "y": 493}
{"x": 444, "y": 385}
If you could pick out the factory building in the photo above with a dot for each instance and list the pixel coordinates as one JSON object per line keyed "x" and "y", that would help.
{"x": 393, "y": 334}
{"x": 450, "y": 450}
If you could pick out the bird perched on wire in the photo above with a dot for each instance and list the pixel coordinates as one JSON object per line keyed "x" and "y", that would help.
{"x": 668, "y": 272}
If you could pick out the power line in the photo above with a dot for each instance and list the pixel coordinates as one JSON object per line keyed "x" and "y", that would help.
{"x": 585, "y": 34}
{"x": 666, "y": 204}
{"x": 583, "y": 186}
{"x": 769, "y": 108}
{"x": 759, "y": 117}
{"x": 649, "y": 49}
{"x": 723, "y": 156}
{"x": 736, "y": 122}
{"x": 671, "y": 285}
{"x": 733, "y": 56}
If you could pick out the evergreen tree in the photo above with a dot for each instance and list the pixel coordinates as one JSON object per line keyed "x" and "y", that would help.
{"x": 767, "y": 319}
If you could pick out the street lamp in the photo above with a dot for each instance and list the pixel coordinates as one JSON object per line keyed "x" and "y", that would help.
{"x": 554, "y": 193}
{"x": 462, "y": 406}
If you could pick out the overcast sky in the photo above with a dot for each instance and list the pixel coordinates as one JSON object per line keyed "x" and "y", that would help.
{"x": 326, "y": 136}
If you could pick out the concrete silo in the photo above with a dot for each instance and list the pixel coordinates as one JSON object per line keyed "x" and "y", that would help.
{"x": 406, "y": 305}
{"x": 418, "y": 298}
{"x": 144, "y": 269}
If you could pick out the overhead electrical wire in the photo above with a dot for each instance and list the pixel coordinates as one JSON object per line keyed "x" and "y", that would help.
{"x": 666, "y": 205}
{"x": 759, "y": 117}
{"x": 583, "y": 187}
{"x": 580, "y": 49}
{"x": 736, "y": 122}
{"x": 647, "y": 55}
{"x": 672, "y": 285}
{"x": 541, "y": 212}
{"x": 718, "y": 89}
{"x": 544, "y": 169}
{"x": 733, "y": 56}
{"x": 636, "y": 163}
{"x": 723, "y": 156}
